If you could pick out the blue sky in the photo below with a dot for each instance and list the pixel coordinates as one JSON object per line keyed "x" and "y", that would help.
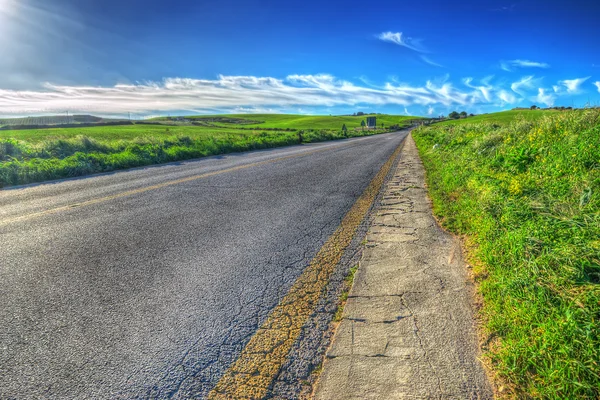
{"x": 424, "y": 57}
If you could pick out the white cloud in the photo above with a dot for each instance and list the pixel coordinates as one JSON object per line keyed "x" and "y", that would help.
{"x": 224, "y": 93}
{"x": 486, "y": 89}
{"x": 512, "y": 64}
{"x": 258, "y": 110}
{"x": 267, "y": 94}
{"x": 573, "y": 86}
{"x": 430, "y": 61}
{"x": 529, "y": 64}
{"x": 525, "y": 84}
{"x": 507, "y": 97}
{"x": 543, "y": 97}
{"x": 597, "y": 83}
{"x": 401, "y": 40}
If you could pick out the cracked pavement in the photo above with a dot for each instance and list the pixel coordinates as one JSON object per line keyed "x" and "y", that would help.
{"x": 407, "y": 330}
{"x": 154, "y": 294}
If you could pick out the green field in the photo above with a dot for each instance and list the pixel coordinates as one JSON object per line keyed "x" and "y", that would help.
{"x": 119, "y": 132}
{"x": 523, "y": 189}
{"x": 502, "y": 117}
{"x": 52, "y": 120}
{"x": 35, "y": 155}
{"x": 311, "y": 121}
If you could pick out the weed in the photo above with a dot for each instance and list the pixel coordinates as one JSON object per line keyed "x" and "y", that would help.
{"x": 348, "y": 281}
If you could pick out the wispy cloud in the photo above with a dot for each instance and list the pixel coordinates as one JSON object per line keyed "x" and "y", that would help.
{"x": 268, "y": 94}
{"x": 402, "y": 40}
{"x": 485, "y": 89}
{"x": 513, "y": 64}
{"x": 573, "y": 86}
{"x": 258, "y": 110}
{"x": 545, "y": 98}
{"x": 430, "y": 61}
{"x": 597, "y": 83}
{"x": 529, "y": 64}
{"x": 524, "y": 84}
{"x": 507, "y": 97}
{"x": 505, "y": 8}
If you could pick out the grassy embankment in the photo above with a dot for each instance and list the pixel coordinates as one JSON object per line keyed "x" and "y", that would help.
{"x": 502, "y": 117}
{"x": 43, "y": 154}
{"x": 525, "y": 192}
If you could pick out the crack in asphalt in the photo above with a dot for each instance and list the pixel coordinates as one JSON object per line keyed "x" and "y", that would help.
{"x": 252, "y": 374}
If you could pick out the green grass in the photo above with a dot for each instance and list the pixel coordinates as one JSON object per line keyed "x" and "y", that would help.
{"x": 347, "y": 285}
{"x": 53, "y": 120}
{"x": 37, "y": 155}
{"x": 293, "y": 121}
{"x": 526, "y": 195}
{"x": 119, "y": 132}
{"x": 502, "y": 117}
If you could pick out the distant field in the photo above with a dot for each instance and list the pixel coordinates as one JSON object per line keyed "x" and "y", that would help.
{"x": 119, "y": 132}
{"x": 34, "y": 155}
{"x": 312, "y": 121}
{"x": 216, "y": 128}
{"x": 52, "y": 120}
{"x": 502, "y": 117}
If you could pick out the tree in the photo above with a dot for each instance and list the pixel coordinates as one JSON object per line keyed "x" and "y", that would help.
{"x": 362, "y": 124}
{"x": 534, "y": 107}
{"x": 463, "y": 114}
{"x": 344, "y": 128}
{"x": 454, "y": 115}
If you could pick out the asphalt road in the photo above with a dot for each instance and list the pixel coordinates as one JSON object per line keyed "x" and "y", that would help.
{"x": 148, "y": 283}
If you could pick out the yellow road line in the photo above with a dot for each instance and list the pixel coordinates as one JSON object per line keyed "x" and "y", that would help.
{"x": 154, "y": 187}
{"x": 251, "y": 375}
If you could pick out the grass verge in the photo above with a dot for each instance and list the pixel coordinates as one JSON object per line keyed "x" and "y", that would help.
{"x": 25, "y": 158}
{"x": 526, "y": 194}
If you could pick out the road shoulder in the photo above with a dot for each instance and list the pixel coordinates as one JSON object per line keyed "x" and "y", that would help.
{"x": 408, "y": 328}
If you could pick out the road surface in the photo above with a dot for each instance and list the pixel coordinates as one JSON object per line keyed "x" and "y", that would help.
{"x": 148, "y": 283}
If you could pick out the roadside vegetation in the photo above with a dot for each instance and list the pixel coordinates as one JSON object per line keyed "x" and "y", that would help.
{"x": 35, "y": 155}
{"x": 502, "y": 117}
{"x": 524, "y": 191}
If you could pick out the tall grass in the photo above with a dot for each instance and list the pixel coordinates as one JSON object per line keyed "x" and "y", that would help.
{"x": 527, "y": 195}
{"x": 26, "y": 162}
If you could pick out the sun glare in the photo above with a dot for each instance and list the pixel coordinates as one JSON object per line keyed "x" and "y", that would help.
{"x": 6, "y": 6}
{"x": 7, "y": 9}
{"x": 8, "y": 12}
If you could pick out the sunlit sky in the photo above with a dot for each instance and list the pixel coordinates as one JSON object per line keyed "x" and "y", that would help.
{"x": 173, "y": 57}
